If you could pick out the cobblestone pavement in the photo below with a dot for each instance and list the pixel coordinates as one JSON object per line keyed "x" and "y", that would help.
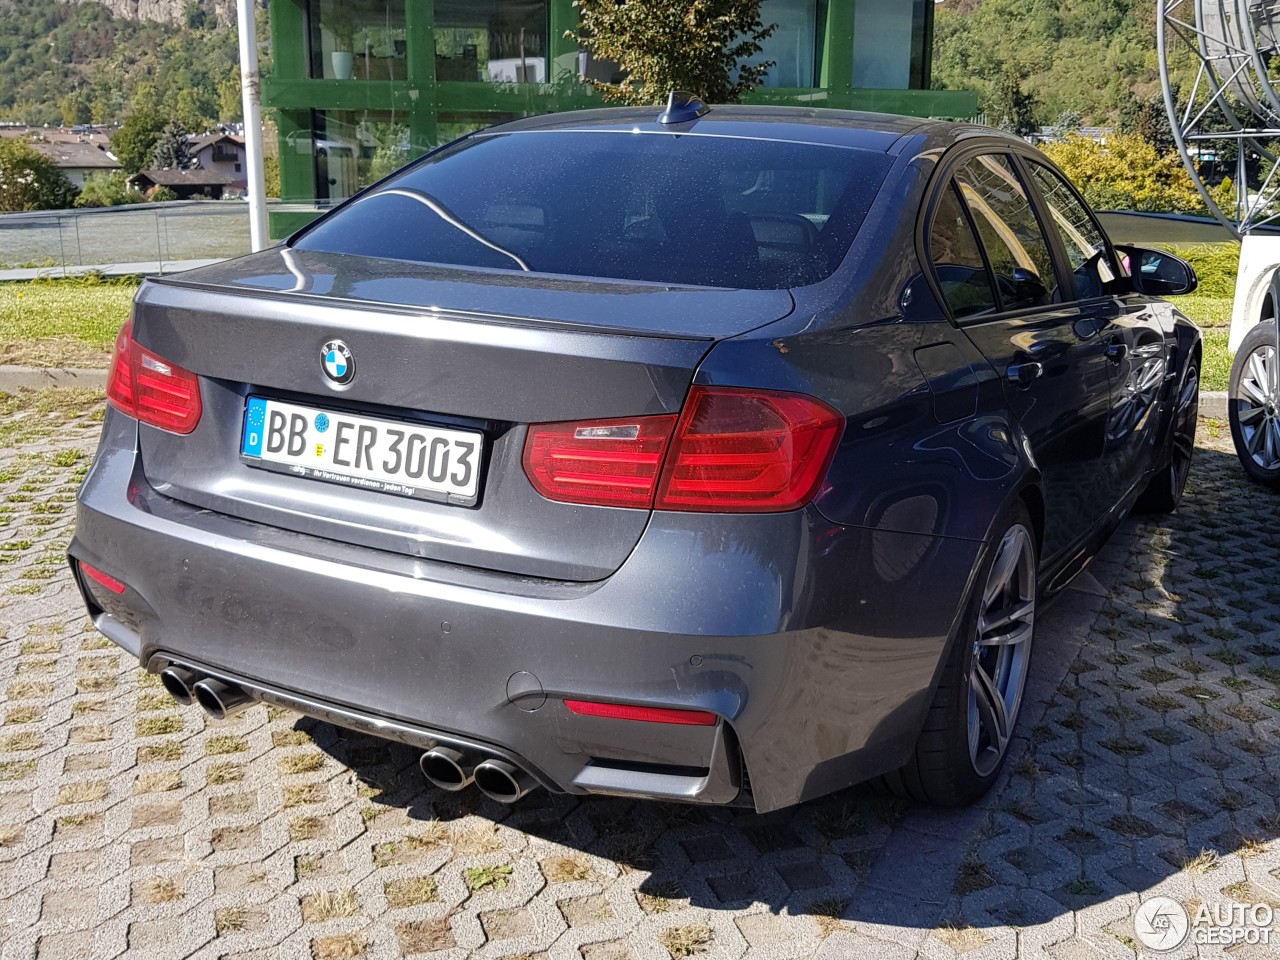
{"x": 1147, "y": 765}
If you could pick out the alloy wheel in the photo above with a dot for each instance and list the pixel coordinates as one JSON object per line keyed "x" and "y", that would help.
{"x": 1258, "y": 407}
{"x": 1001, "y": 649}
{"x": 1184, "y": 431}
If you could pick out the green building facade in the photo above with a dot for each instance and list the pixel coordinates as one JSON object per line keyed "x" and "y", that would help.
{"x": 361, "y": 86}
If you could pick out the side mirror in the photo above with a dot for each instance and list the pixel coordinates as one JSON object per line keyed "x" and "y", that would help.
{"x": 1156, "y": 273}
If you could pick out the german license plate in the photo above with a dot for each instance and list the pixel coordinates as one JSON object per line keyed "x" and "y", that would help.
{"x": 389, "y": 456}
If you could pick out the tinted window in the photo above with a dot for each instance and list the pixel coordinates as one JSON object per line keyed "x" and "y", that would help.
{"x": 956, "y": 260}
{"x": 702, "y": 210}
{"x": 1011, "y": 235}
{"x": 1085, "y": 246}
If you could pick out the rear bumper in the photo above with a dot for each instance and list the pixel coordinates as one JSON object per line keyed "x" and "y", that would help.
{"x": 817, "y": 644}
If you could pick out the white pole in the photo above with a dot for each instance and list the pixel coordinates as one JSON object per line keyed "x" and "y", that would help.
{"x": 252, "y": 124}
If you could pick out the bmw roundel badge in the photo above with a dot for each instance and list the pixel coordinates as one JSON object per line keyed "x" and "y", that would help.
{"x": 338, "y": 362}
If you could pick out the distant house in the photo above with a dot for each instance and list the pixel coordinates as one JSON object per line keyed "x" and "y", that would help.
{"x": 221, "y": 152}
{"x": 188, "y": 184}
{"x": 78, "y": 160}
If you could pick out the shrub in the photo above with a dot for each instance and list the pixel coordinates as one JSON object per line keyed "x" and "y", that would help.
{"x": 161, "y": 194}
{"x": 107, "y": 190}
{"x": 31, "y": 181}
{"x": 1126, "y": 173}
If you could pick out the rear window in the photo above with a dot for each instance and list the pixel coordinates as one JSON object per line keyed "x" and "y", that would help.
{"x": 703, "y": 210}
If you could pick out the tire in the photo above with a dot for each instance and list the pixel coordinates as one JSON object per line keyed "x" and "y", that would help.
{"x": 1164, "y": 491}
{"x": 1253, "y": 404}
{"x": 966, "y": 738}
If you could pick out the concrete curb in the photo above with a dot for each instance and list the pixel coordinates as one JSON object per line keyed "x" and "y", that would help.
{"x": 15, "y": 378}
{"x": 1213, "y": 404}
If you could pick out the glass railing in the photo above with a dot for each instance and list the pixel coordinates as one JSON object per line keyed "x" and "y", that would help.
{"x": 140, "y": 238}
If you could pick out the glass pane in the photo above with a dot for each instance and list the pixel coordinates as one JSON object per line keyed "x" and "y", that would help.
{"x": 1011, "y": 235}
{"x": 357, "y": 39}
{"x": 887, "y": 42}
{"x": 354, "y": 148}
{"x": 493, "y": 41}
{"x": 1085, "y": 246}
{"x": 791, "y": 48}
{"x": 957, "y": 261}
{"x": 708, "y": 211}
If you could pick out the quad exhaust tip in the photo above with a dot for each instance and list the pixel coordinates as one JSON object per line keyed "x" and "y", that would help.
{"x": 447, "y": 768}
{"x": 502, "y": 781}
{"x": 221, "y": 700}
{"x": 179, "y": 682}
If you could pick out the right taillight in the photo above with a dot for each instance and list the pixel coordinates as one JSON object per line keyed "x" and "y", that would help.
{"x": 730, "y": 451}
{"x": 144, "y": 385}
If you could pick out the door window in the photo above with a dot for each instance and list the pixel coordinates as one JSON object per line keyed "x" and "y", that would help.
{"x": 1011, "y": 236}
{"x": 957, "y": 261}
{"x": 1081, "y": 237}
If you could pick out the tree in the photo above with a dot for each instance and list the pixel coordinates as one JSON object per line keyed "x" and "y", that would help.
{"x": 695, "y": 45}
{"x": 1011, "y": 108}
{"x": 170, "y": 152}
{"x": 1126, "y": 173}
{"x": 135, "y": 141}
{"x": 31, "y": 181}
{"x": 230, "y": 103}
{"x": 75, "y": 109}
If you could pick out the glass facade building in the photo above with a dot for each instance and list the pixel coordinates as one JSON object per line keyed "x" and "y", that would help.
{"x": 362, "y": 86}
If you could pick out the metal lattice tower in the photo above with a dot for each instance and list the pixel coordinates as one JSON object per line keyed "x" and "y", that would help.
{"x": 1229, "y": 44}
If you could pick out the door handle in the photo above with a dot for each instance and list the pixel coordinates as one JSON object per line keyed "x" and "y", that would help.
{"x": 1117, "y": 350}
{"x": 1023, "y": 373}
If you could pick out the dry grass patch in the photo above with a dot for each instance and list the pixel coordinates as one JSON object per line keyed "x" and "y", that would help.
{"x": 158, "y": 726}
{"x": 664, "y": 897}
{"x": 220, "y": 773}
{"x": 230, "y": 920}
{"x": 295, "y": 795}
{"x": 37, "y": 666}
{"x": 425, "y": 936}
{"x": 346, "y": 946}
{"x": 154, "y": 701}
{"x": 566, "y": 869}
{"x": 961, "y": 937}
{"x": 224, "y": 744}
{"x": 300, "y": 763}
{"x": 82, "y": 792}
{"x": 90, "y": 733}
{"x": 54, "y": 628}
{"x": 95, "y": 684}
{"x": 17, "y": 769}
{"x": 157, "y": 782}
{"x": 35, "y": 648}
{"x": 477, "y": 838}
{"x": 290, "y": 738}
{"x": 433, "y": 834}
{"x": 10, "y": 835}
{"x": 329, "y": 905}
{"x": 96, "y": 643}
{"x": 89, "y": 706}
{"x": 410, "y": 892}
{"x": 159, "y": 752}
{"x": 21, "y": 742}
{"x": 829, "y": 914}
{"x": 686, "y": 941}
{"x": 305, "y": 828}
{"x": 1251, "y": 847}
{"x": 28, "y": 690}
{"x": 1202, "y": 862}
{"x": 24, "y": 715}
{"x": 162, "y": 890}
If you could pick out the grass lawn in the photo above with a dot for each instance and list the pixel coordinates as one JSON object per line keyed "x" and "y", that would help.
{"x": 62, "y": 323}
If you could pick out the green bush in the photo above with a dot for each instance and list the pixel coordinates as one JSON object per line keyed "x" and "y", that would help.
{"x": 31, "y": 181}
{"x": 107, "y": 190}
{"x": 1216, "y": 265}
{"x": 161, "y": 194}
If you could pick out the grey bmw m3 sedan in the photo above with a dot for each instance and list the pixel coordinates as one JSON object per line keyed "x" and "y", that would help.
{"x": 712, "y": 454}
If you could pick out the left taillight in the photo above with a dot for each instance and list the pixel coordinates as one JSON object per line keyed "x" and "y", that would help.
{"x": 144, "y": 385}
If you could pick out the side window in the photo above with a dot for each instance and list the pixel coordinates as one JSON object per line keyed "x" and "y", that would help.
{"x": 957, "y": 261}
{"x": 1010, "y": 233}
{"x": 1081, "y": 236}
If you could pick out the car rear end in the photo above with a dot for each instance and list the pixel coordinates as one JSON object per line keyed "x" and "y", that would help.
{"x": 444, "y": 470}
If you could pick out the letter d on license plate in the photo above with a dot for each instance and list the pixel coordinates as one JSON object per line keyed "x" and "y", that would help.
{"x": 390, "y": 456}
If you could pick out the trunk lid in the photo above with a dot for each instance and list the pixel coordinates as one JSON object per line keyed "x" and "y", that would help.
{"x": 479, "y": 351}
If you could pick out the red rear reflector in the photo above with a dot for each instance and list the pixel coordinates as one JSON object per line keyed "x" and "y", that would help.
{"x": 730, "y": 451}
{"x": 610, "y": 463}
{"x": 150, "y": 388}
{"x": 620, "y": 711}
{"x": 93, "y": 573}
{"x": 751, "y": 451}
